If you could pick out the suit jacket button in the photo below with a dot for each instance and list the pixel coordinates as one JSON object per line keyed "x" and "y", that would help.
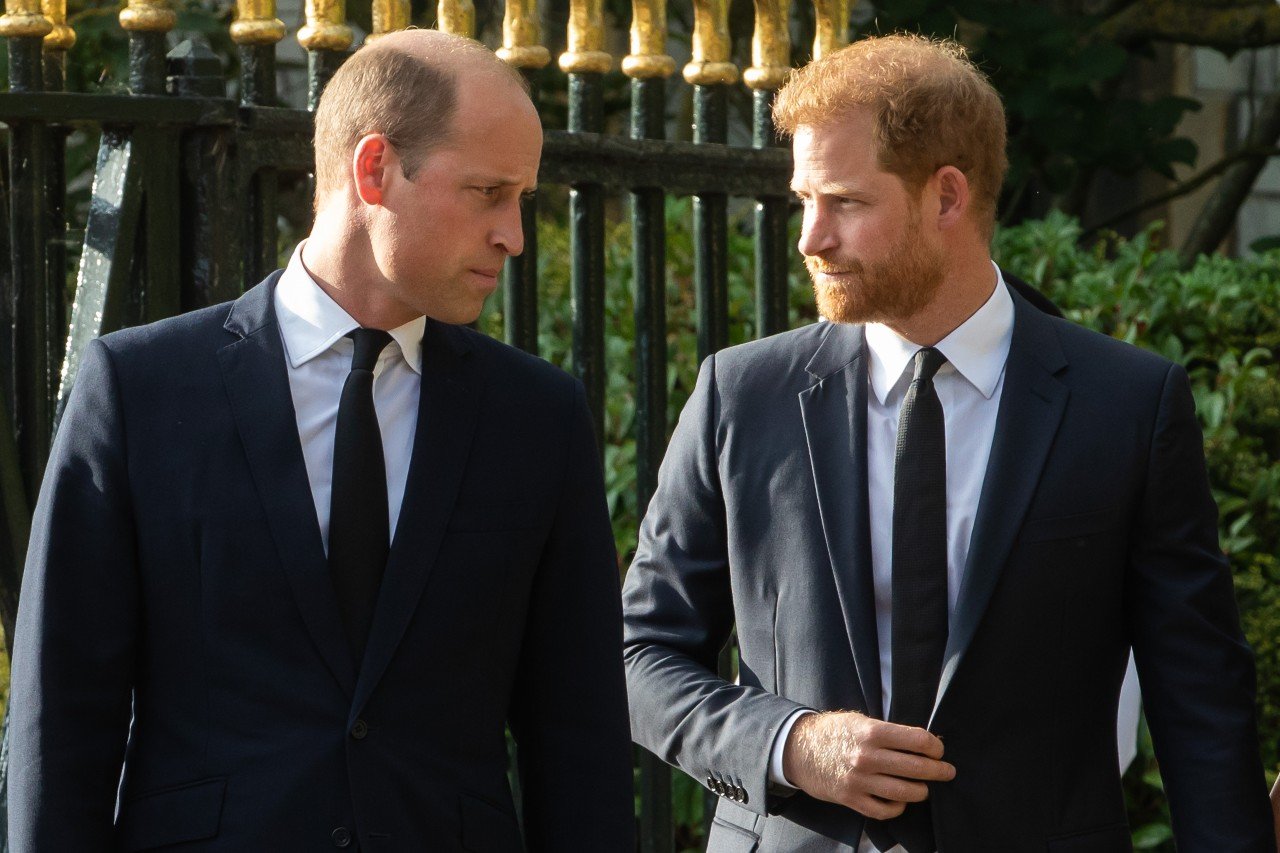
{"x": 711, "y": 782}
{"x": 745, "y": 796}
{"x": 341, "y": 837}
{"x": 359, "y": 729}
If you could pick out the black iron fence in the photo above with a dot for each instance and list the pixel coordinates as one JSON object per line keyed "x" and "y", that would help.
{"x": 185, "y": 205}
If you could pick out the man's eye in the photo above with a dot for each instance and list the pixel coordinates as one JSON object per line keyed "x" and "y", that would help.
{"x": 487, "y": 192}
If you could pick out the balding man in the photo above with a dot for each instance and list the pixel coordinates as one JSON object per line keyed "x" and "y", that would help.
{"x": 299, "y": 561}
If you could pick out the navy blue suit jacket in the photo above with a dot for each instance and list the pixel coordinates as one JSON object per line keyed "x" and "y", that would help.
{"x": 176, "y": 575}
{"x": 1095, "y": 531}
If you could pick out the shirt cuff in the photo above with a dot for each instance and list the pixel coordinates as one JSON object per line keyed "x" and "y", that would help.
{"x": 776, "y": 775}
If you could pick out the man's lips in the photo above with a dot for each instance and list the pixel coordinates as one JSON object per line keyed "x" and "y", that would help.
{"x": 488, "y": 273}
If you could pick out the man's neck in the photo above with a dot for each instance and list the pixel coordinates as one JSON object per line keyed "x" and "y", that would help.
{"x": 966, "y": 288}
{"x": 339, "y": 258}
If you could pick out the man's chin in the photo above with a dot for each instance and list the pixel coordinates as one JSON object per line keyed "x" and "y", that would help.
{"x": 837, "y": 305}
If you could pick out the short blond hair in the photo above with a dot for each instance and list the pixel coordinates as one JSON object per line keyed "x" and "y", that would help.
{"x": 931, "y": 107}
{"x": 407, "y": 94}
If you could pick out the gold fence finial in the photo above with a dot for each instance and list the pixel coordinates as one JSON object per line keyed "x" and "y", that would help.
{"x": 586, "y": 53}
{"x": 710, "y": 65}
{"x": 457, "y": 17}
{"x": 770, "y": 46}
{"x": 61, "y": 37}
{"x": 388, "y": 16}
{"x": 326, "y": 27}
{"x": 256, "y": 23}
{"x": 23, "y": 18}
{"x": 522, "y": 36}
{"x": 832, "y": 31}
{"x": 648, "y": 57}
{"x": 148, "y": 16}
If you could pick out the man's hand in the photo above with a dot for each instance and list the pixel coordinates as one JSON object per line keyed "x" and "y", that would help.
{"x": 868, "y": 765}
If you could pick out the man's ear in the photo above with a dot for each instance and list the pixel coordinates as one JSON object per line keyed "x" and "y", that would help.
{"x": 953, "y": 196}
{"x": 372, "y": 159}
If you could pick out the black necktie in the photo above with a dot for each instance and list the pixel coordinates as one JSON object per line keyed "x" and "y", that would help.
{"x": 359, "y": 530}
{"x": 919, "y": 636}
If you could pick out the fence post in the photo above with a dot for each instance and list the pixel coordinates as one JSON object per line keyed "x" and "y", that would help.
{"x": 648, "y": 66}
{"x": 770, "y": 65}
{"x": 522, "y": 49}
{"x": 327, "y": 38}
{"x": 29, "y": 375}
{"x": 255, "y": 33}
{"x": 586, "y": 62}
{"x": 206, "y": 261}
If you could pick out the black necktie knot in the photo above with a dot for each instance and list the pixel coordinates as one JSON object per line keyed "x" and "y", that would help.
{"x": 369, "y": 345}
{"x": 927, "y": 362}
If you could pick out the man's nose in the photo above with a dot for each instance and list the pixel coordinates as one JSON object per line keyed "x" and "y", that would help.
{"x": 816, "y": 235}
{"x": 508, "y": 234}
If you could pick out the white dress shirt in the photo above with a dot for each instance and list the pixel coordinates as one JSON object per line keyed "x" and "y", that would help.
{"x": 969, "y": 387}
{"x": 318, "y": 358}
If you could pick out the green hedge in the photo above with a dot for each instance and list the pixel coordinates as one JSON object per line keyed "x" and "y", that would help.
{"x": 1221, "y": 320}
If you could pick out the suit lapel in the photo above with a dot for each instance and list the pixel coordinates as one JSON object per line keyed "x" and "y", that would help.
{"x": 257, "y": 383}
{"x": 1031, "y": 407}
{"x": 835, "y": 424}
{"x": 447, "y": 410}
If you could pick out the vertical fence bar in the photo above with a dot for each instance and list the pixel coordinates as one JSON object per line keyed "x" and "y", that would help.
{"x": 29, "y": 373}
{"x": 832, "y": 29}
{"x": 457, "y": 17}
{"x": 585, "y": 62}
{"x": 648, "y": 66}
{"x": 56, "y": 44}
{"x": 147, "y": 21}
{"x": 711, "y": 73}
{"x": 256, "y": 32}
{"x": 209, "y": 259}
{"x": 388, "y": 16}
{"x": 770, "y": 64}
{"x": 155, "y": 291}
{"x": 326, "y": 38}
{"x": 522, "y": 49}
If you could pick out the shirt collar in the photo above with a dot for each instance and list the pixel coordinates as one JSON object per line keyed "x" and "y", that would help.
{"x": 976, "y": 349}
{"x": 311, "y": 322}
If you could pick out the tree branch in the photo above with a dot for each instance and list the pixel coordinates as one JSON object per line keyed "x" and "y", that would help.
{"x": 1190, "y": 185}
{"x": 1218, "y": 215}
{"x": 1227, "y": 28}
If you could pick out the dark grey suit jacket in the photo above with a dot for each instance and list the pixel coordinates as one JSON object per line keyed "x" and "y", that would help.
{"x": 1095, "y": 531}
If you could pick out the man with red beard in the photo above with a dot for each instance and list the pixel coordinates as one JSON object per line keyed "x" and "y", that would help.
{"x": 939, "y": 520}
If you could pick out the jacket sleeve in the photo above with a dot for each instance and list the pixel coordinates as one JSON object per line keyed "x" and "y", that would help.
{"x": 77, "y": 630}
{"x": 678, "y": 613}
{"x": 569, "y": 710}
{"x": 1195, "y": 668}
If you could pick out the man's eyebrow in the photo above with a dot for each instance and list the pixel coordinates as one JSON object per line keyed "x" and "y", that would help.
{"x": 827, "y": 188}
{"x": 490, "y": 179}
